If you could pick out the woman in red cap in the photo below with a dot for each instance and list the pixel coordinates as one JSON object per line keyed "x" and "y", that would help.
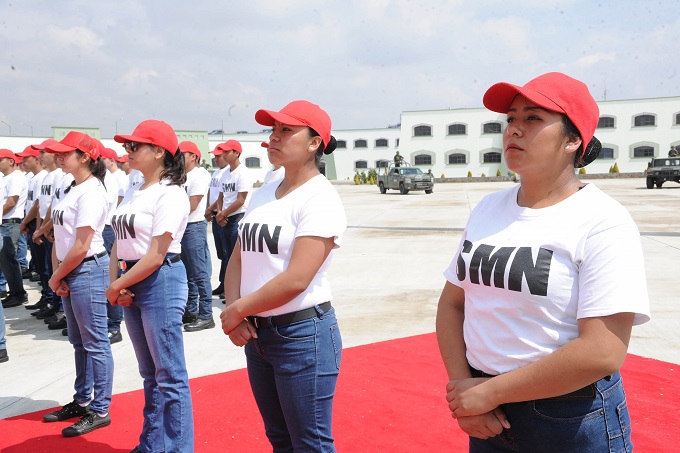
{"x": 80, "y": 276}
{"x": 277, "y": 293}
{"x": 535, "y": 318}
{"x": 151, "y": 284}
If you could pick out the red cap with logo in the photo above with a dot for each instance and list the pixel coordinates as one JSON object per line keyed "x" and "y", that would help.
{"x": 553, "y": 91}
{"x": 190, "y": 147}
{"x": 154, "y": 132}
{"x": 299, "y": 113}
{"x": 9, "y": 154}
{"x": 29, "y": 151}
{"x": 76, "y": 140}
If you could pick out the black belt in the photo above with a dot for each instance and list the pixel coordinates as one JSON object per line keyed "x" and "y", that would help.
{"x": 11, "y": 220}
{"x": 288, "y": 318}
{"x": 98, "y": 255}
{"x": 127, "y": 265}
{"x": 587, "y": 392}
{"x": 235, "y": 217}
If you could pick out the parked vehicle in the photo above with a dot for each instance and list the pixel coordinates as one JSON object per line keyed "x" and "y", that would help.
{"x": 662, "y": 169}
{"x": 404, "y": 179}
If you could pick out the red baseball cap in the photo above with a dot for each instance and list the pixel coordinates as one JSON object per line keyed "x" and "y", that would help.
{"x": 29, "y": 151}
{"x": 190, "y": 147}
{"x": 76, "y": 140}
{"x": 553, "y": 91}
{"x": 9, "y": 154}
{"x": 230, "y": 145}
{"x": 154, "y": 132}
{"x": 299, "y": 113}
{"x": 122, "y": 159}
{"x": 108, "y": 153}
{"x": 41, "y": 146}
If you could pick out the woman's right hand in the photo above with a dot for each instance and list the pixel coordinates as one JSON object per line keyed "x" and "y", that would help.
{"x": 485, "y": 426}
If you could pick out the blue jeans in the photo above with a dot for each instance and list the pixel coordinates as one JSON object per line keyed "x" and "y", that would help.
{"x": 8, "y": 258}
{"x": 39, "y": 259}
{"x": 114, "y": 313}
{"x": 572, "y": 426}
{"x": 218, "y": 237}
{"x": 154, "y": 323}
{"x": 48, "y": 259}
{"x": 293, "y": 370}
{"x": 196, "y": 258}
{"x": 22, "y": 249}
{"x": 3, "y": 340}
{"x": 85, "y": 310}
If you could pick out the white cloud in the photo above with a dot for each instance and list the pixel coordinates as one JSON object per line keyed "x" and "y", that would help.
{"x": 135, "y": 77}
{"x": 591, "y": 60}
{"x": 81, "y": 38}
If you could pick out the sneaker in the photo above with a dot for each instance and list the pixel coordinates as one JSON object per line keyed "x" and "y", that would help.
{"x": 25, "y": 272}
{"x": 188, "y": 318}
{"x": 217, "y": 291}
{"x": 89, "y": 422}
{"x": 54, "y": 318}
{"x": 46, "y": 312}
{"x": 61, "y": 324}
{"x": 3, "y": 355}
{"x": 115, "y": 337}
{"x": 35, "y": 277}
{"x": 70, "y": 410}
{"x": 199, "y": 324}
{"x": 14, "y": 300}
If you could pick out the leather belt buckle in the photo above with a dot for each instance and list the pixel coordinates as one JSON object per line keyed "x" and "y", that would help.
{"x": 122, "y": 265}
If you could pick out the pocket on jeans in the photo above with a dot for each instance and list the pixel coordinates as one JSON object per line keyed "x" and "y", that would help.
{"x": 297, "y": 331}
{"x": 570, "y": 411}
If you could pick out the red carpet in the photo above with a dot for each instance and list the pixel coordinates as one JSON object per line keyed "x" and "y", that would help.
{"x": 390, "y": 398}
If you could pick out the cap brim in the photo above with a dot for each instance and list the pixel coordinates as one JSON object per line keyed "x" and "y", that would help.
{"x": 130, "y": 138}
{"x": 59, "y": 148}
{"x": 499, "y": 97}
{"x": 267, "y": 118}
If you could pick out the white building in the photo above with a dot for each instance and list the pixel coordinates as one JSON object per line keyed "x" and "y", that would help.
{"x": 457, "y": 141}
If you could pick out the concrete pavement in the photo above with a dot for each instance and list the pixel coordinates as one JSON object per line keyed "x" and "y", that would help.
{"x": 386, "y": 281}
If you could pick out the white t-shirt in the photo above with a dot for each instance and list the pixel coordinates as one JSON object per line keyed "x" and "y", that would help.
{"x": 268, "y": 230}
{"x": 215, "y": 190}
{"x": 34, "y": 186}
{"x": 274, "y": 175}
{"x": 45, "y": 194}
{"x": 233, "y": 182}
{"x": 61, "y": 182}
{"x": 16, "y": 185}
{"x": 529, "y": 275}
{"x": 122, "y": 181}
{"x": 83, "y": 205}
{"x": 111, "y": 195}
{"x": 143, "y": 214}
{"x": 198, "y": 181}
{"x": 134, "y": 178}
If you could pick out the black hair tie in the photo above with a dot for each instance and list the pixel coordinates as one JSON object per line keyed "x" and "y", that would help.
{"x": 592, "y": 151}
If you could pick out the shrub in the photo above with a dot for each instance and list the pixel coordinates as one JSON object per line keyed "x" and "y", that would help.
{"x": 582, "y": 171}
{"x": 469, "y": 174}
{"x": 615, "y": 168}
{"x": 483, "y": 175}
{"x": 443, "y": 176}
{"x": 498, "y": 172}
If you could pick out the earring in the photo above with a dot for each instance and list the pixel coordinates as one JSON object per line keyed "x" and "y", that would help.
{"x": 567, "y": 147}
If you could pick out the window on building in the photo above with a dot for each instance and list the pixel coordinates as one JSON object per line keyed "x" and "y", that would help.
{"x": 645, "y": 120}
{"x": 492, "y": 157}
{"x": 381, "y": 164}
{"x": 381, "y": 143}
{"x": 422, "y": 131}
{"x": 643, "y": 151}
{"x": 492, "y": 128}
{"x": 606, "y": 153}
{"x": 252, "y": 162}
{"x": 605, "y": 122}
{"x": 396, "y": 143}
{"x": 341, "y": 144}
{"x": 423, "y": 159}
{"x": 457, "y": 159}
{"x": 457, "y": 129}
{"x": 361, "y": 143}
{"x": 677, "y": 119}
{"x": 361, "y": 164}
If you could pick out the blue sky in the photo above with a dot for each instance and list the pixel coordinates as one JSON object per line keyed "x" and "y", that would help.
{"x": 201, "y": 64}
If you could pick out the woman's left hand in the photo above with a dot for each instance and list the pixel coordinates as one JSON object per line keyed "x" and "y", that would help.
{"x": 60, "y": 287}
{"x": 466, "y": 397}
{"x": 230, "y": 319}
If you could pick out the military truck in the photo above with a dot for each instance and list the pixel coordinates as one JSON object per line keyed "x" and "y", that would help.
{"x": 404, "y": 179}
{"x": 662, "y": 169}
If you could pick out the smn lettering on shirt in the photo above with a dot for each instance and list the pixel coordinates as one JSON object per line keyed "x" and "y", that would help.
{"x": 121, "y": 226}
{"x": 486, "y": 262}
{"x": 253, "y": 235}
{"x": 58, "y": 217}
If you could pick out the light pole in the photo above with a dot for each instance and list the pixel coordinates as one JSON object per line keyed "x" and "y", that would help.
{"x": 8, "y": 125}
{"x": 24, "y": 124}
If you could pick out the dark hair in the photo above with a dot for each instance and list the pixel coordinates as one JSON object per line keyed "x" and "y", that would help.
{"x": 96, "y": 167}
{"x": 173, "y": 168}
{"x": 323, "y": 149}
{"x": 581, "y": 159}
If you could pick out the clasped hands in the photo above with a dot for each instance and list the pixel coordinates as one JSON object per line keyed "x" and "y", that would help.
{"x": 239, "y": 330}
{"x": 123, "y": 296}
{"x": 477, "y": 414}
